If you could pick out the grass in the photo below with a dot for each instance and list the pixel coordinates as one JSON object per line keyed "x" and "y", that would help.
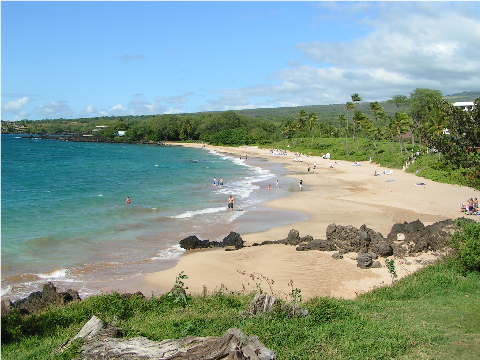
{"x": 431, "y": 314}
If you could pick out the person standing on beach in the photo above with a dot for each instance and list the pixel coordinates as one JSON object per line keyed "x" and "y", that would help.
{"x": 308, "y": 169}
{"x": 300, "y": 184}
{"x": 230, "y": 203}
{"x": 277, "y": 185}
{"x": 314, "y": 166}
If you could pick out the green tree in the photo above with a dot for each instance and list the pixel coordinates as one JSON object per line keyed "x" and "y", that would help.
{"x": 349, "y": 106}
{"x": 186, "y": 129}
{"x": 456, "y": 134}
{"x": 312, "y": 122}
{"x": 302, "y": 119}
{"x": 378, "y": 112}
{"x": 421, "y": 105}
{"x": 356, "y": 98}
{"x": 399, "y": 125}
{"x": 400, "y": 101}
{"x": 289, "y": 128}
{"x": 343, "y": 119}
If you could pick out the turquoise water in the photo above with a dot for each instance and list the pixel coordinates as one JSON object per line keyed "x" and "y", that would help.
{"x": 65, "y": 219}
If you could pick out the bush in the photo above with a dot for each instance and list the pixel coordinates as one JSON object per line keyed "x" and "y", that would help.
{"x": 466, "y": 242}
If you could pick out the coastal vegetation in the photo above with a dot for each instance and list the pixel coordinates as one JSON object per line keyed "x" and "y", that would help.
{"x": 423, "y": 132}
{"x": 430, "y": 314}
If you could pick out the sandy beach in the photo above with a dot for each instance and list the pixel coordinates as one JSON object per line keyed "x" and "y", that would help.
{"x": 343, "y": 194}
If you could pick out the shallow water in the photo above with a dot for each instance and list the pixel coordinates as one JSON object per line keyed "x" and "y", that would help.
{"x": 65, "y": 219}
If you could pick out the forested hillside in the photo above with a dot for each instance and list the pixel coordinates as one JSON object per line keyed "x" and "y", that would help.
{"x": 393, "y": 133}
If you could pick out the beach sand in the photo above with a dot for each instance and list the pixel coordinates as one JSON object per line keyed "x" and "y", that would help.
{"x": 344, "y": 195}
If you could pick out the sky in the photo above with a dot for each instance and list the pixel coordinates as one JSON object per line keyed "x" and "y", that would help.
{"x": 75, "y": 59}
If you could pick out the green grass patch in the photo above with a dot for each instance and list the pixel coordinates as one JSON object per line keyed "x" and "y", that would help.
{"x": 432, "y": 313}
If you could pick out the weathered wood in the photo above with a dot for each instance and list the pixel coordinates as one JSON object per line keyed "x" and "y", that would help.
{"x": 233, "y": 344}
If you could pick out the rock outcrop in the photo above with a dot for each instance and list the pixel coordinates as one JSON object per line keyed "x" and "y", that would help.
{"x": 414, "y": 237}
{"x": 233, "y": 239}
{"x": 193, "y": 242}
{"x": 407, "y": 239}
{"x": 41, "y": 299}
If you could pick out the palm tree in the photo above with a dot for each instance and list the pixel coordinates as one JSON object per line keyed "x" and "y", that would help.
{"x": 289, "y": 128}
{"x": 302, "y": 118}
{"x": 399, "y": 125}
{"x": 355, "y": 98}
{"x": 312, "y": 122}
{"x": 186, "y": 128}
{"x": 378, "y": 112}
{"x": 344, "y": 120}
{"x": 348, "y": 106}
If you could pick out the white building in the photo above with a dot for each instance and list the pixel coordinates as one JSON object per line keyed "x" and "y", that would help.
{"x": 467, "y": 105}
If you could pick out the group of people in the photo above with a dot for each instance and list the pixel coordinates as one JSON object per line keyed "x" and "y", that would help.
{"x": 218, "y": 182}
{"x": 471, "y": 208}
{"x": 314, "y": 167}
{"x": 277, "y": 152}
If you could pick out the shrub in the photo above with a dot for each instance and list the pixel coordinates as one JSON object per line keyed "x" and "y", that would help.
{"x": 466, "y": 242}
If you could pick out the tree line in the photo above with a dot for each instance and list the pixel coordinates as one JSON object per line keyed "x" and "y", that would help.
{"x": 422, "y": 119}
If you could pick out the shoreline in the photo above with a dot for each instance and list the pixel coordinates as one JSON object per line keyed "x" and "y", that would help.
{"x": 342, "y": 194}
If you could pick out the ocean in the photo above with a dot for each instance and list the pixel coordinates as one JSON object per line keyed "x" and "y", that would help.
{"x": 65, "y": 218}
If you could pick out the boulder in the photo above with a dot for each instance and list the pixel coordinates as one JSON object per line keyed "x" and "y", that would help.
{"x": 365, "y": 261}
{"x": 193, "y": 242}
{"x": 384, "y": 249}
{"x": 351, "y": 239}
{"x": 414, "y": 237}
{"x": 233, "y": 239}
{"x": 293, "y": 237}
{"x": 317, "y": 244}
{"x": 306, "y": 238}
{"x": 337, "y": 256}
{"x": 45, "y": 298}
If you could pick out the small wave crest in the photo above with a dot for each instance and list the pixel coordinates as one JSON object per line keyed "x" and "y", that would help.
{"x": 192, "y": 213}
{"x": 7, "y": 290}
{"x": 60, "y": 274}
{"x": 171, "y": 253}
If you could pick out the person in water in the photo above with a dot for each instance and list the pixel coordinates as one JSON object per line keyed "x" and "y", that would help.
{"x": 230, "y": 202}
{"x": 128, "y": 200}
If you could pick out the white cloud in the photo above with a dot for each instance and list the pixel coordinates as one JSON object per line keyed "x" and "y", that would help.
{"x": 15, "y": 105}
{"x": 55, "y": 110}
{"x": 407, "y": 46}
{"x": 90, "y": 110}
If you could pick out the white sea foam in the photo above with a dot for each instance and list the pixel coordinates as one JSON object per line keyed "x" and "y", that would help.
{"x": 171, "y": 253}
{"x": 7, "y": 290}
{"x": 189, "y": 214}
{"x": 243, "y": 188}
{"x": 60, "y": 274}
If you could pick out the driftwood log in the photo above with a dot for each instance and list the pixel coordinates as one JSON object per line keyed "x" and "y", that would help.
{"x": 232, "y": 345}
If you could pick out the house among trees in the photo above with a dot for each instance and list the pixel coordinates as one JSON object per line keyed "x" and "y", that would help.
{"x": 467, "y": 105}
{"x": 99, "y": 128}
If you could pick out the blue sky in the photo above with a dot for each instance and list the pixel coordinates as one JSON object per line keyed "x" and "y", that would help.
{"x": 89, "y": 58}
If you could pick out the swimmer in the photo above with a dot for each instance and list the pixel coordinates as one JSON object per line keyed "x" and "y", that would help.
{"x": 230, "y": 202}
{"x": 128, "y": 200}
